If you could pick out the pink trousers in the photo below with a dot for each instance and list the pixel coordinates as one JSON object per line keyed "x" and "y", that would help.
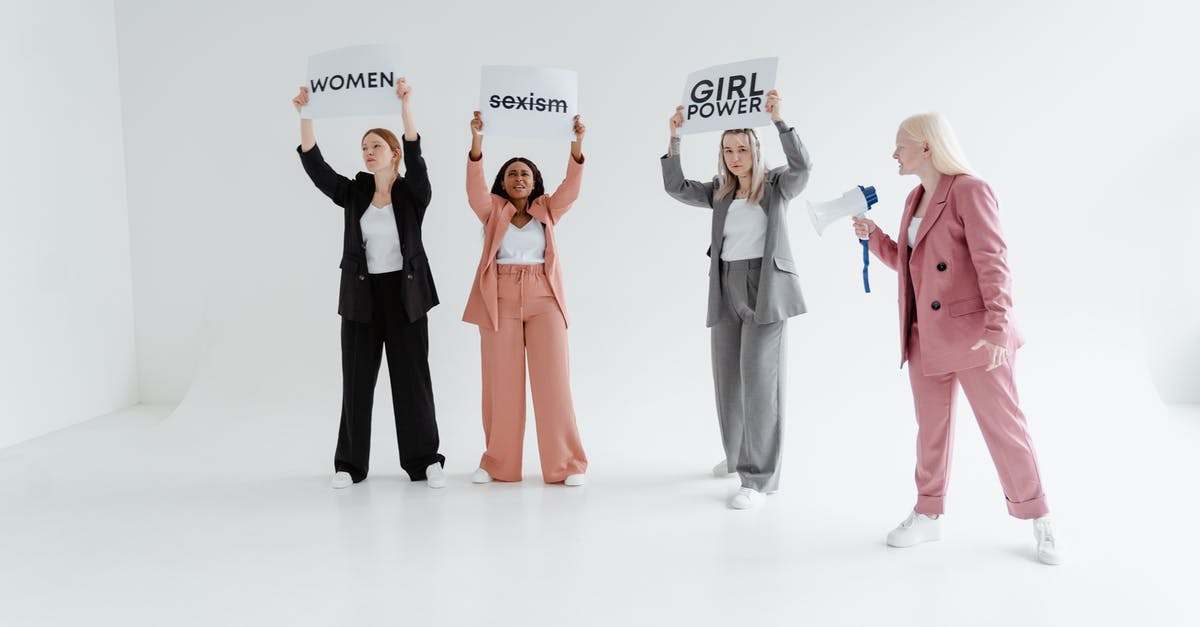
{"x": 993, "y": 398}
{"x": 531, "y": 327}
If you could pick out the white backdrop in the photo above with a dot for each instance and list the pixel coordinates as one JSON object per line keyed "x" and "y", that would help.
{"x": 66, "y": 322}
{"x": 1075, "y": 112}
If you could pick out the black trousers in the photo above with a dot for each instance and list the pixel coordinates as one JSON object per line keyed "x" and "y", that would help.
{"x": 407, "y": 346}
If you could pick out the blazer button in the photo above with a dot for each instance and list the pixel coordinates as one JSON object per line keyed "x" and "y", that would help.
{"x": 941, "y": 266}
{"x": 936, "y": 305}
{"x": 362, "y": 278}
{"x": 410, "y": 276}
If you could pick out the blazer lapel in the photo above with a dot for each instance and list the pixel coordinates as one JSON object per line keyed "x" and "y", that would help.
{"x": 936, "y": 204}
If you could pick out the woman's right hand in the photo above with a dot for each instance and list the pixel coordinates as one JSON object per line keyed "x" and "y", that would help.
{"x": 301, "y": 99}
{"x": 676, "y": 121}
{"x": 863, "y": 227}
{"x": 476, "y": 125}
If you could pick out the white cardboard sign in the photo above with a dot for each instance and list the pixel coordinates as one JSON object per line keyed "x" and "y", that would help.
{"x": 527, "y": 101}
{"x": 359, "y": 80}
{"x": 728, "y": 96}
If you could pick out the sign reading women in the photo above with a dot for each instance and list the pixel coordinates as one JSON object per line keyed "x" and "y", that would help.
{"x": 526, "y": 101}
{"x": 728, "y": 96}
{"x": 359, "y": 80}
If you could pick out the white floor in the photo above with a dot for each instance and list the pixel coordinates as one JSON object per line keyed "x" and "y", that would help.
{"x": 145, "y": 517}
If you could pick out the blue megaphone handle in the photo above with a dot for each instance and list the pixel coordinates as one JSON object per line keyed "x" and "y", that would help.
{"x": 866, "y": 262}
{"x": 872, "y": 198}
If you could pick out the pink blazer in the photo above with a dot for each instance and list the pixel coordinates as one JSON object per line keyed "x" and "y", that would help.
{"x": 960, "y": 276}
{"x": 496, "y": 213}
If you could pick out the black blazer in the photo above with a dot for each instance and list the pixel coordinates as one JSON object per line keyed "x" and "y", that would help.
{"x": 410, "y": 199}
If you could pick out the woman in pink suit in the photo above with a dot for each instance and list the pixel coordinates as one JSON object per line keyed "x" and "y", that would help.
{"x": 517, "y": 302}
{"x": 955, "y": 328}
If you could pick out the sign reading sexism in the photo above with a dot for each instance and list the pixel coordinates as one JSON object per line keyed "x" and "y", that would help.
{"x": 528, "y": 101}
{"x": 359, "y": 80}
{"x": 728, "y": 96}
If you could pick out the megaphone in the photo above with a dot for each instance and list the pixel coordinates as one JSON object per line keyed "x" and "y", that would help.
{"x": 855, "y": 202}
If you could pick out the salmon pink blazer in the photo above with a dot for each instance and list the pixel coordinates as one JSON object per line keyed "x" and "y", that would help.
{"x": 961, "y": 286}
{"x": 496, "y": 213}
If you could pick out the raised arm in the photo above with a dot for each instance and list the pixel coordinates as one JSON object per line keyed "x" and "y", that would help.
{"x": 684, "y": 190}
{"x": 560, "y": 201}
{"x": 791, "y": 178}
{"x": 416, "y": 174}
{"x": 478, "y": 194}
{"x": 332, "y": 184}
{"x": 404, "y": 92}
{"x": 307, "y": 138}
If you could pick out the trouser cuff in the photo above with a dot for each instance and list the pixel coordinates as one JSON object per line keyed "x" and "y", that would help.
{"x": 930, "y": 505}
{"x": 1033, "y": 508}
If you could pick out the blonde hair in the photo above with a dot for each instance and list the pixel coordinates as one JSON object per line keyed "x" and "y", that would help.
{"x": 758, "y": 169}
{"x": 934, "y": 129}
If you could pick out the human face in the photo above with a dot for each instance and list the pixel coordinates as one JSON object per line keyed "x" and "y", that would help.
{"x": 735, "y": 148}
{"x": 377, "y": 155}
{"x": 518, "y": 180}
{"x": 910, "y": 153}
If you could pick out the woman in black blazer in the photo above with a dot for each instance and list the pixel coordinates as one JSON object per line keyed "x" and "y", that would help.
{"x": 386, "y": 290}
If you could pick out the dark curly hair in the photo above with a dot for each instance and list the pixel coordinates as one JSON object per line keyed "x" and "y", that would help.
{"x": 539, "y": 188}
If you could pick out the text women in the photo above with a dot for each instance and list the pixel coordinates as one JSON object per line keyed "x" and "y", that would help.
{"x": 350, "y": 81}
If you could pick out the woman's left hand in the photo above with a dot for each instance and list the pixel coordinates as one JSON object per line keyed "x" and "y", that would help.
{"x": 579, "y": 129}
{"x": 772, "y": 107}
{"x": 997, "y": 354}
{"x": 403, "y": 90}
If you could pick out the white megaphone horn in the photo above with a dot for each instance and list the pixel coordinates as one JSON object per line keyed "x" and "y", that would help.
{"x": 855, "y": 202}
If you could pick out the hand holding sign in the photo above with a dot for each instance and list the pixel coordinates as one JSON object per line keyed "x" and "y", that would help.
{"x": 301, "y": 99}
{"x": 577, "y": 146}
{"x": 579, "y": 129}
{"x": 476, "y": 137}
{"x": 403, "y": 90}
{"x": 676, "y": 121}
{"x": 772, "y": 107}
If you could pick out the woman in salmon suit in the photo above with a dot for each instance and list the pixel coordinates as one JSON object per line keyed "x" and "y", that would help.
{"x": 517, "y": 302}
{"x": 956, "y": 329}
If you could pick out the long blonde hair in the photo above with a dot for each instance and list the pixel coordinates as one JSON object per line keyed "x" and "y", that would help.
{"x": 758, "y": 169}
{"x": 934, "y": 129}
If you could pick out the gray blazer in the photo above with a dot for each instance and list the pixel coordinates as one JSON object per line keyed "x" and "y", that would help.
{"x": 779, "y": 295}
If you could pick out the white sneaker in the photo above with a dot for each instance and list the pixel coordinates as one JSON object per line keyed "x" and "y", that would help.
{"x": 1047, "y": 550}
{"x": 915, "y": 529}
{"x": 575, "y": 480}
{"x": 341, "y": 480}
{"x": 481, "y": 476}
{"x": 435, "y": 476}
{"x": 746, "y": 498}
{"x": 721, "y": 470}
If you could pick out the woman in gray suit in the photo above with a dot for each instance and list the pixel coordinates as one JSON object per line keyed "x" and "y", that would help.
{"x": 752, "y": 291}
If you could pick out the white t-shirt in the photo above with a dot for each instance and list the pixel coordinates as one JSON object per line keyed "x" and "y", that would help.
{"x": 381, "y": 239}
{"x": 523, "y": 245}
{"x": 745, "y": 231}
{"x": 913, "y": 226}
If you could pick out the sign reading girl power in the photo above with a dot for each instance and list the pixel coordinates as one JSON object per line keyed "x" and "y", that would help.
{"x": 359, "y": 80}
{"x": 728, "y": 96}
{"x": 528, "y": 101}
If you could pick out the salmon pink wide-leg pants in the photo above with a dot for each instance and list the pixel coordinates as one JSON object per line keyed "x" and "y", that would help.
{"x": 531, "y": 327}
{"x": 993, "y": 398}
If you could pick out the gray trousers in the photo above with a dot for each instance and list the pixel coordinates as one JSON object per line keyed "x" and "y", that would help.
{"x": 749, "y": 370}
